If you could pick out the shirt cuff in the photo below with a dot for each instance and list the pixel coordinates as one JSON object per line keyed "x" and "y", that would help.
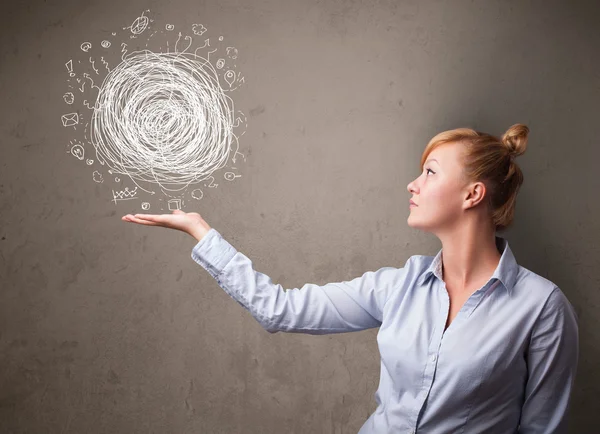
{"x": 213, "y": 252}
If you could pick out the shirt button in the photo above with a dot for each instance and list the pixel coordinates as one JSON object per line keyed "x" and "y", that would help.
{"x": 433, "y": 358}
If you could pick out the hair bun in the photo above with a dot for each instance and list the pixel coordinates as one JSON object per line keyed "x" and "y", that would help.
{"x": 515, "y": 139}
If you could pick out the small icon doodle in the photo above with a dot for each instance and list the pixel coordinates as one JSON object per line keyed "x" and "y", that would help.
{"x": 89, "y": 161}
{"x": 220, "y": 63}
{"x": 69, "y": 98}
{"x": 86, "y": 46}
{"x": 69, "y": 66}
{"x": 105, "y": 44}
{"x": 97, "y": 176}
{"x": 232, "y": 52}
{"x": 174, "y": 204}
{"x": 230, "y": 77}
{"x": 199, "y": 29}
{"x": 124, "y": 194}
{"x": 78, "y": 151}
{"x": 145, "y": 206}
{"x": 139, "y": 25}
{"x": 230, "y": 176}
{"x": 197, "y": 194}
{"x": 70, "y": 119}
{"x": 169, "y": 27}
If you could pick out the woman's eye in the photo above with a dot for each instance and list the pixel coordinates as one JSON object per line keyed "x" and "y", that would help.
{"x": 429, "y": 170}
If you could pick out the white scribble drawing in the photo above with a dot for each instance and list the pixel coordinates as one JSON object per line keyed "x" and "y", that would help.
{"x": 69, "y": 98}
{"x": 162, "y": 120}
{"x": 114, "y": 33}
{"x": 145, "y": 206}
{"x": 78, "y": 151}
{"x": 97, "y": 176}
{"x": 230, "y": 176}
{"x": 139, "y": 24}
{"x": 232, "y": 52}
{"x": 197, "y": 194}
{"x": 69, "y": 66}
{"x": 70, "y": 119}
{"x": 125, "y": 194}
{"x": 199, "y": 29}
{"x": 220, "y": 38}
{"x": 174, "y": 204}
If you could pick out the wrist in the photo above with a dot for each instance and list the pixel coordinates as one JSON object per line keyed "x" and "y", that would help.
{"x": 199, "y": 232}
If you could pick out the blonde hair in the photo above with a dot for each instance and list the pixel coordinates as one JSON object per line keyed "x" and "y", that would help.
{"x": 490, "y": 160}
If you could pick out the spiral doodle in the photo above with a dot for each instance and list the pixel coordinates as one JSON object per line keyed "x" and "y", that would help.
{"x": 163, "y": 118}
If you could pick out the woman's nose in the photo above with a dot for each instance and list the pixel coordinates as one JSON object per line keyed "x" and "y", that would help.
{"x": 410, "y": 187}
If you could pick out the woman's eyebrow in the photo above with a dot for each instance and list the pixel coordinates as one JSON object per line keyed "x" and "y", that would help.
{"x": 432, "y": 159}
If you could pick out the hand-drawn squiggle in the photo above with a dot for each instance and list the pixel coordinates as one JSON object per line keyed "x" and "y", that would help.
{"x": 163, "y": 118}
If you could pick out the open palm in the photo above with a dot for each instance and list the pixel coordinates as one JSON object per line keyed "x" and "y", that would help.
{"x": 191, "y": 223}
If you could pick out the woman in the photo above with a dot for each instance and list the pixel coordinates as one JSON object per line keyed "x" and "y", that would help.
{"x": 470, "y": 341}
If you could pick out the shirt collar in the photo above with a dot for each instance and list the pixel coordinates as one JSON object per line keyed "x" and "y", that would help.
{"x": 506, "y": 271}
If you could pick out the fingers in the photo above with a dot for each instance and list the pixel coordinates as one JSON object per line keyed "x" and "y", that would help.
{"x": 136, "y": 219}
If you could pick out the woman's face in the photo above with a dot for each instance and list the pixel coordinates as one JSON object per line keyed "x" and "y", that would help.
{"x": 439, "y": 190}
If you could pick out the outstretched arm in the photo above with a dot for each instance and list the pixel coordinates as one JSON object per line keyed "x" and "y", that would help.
{"x": 331, "y": 308}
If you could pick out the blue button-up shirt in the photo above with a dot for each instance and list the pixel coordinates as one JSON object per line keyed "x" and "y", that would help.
{"x": 506, "y": 363}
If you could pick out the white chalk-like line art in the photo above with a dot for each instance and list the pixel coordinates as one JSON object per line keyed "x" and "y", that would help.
{"x": 174, "y": 204}
{"x": 230, "y": 176}
{"x": 212, "y": 180}
{"x": 78, "y": 151}
{"x": 197, "y": 194}
{"x": 145, "y": 206}
{"x": 139, "y": 24}
{"x": 230, "y": 77}
{"x": 93, "y": 67}
{"x": 70, "y": 119}
{"x": 105, "y": 63}
{"x": 187, "y": 38}
{"x": 69, "y": 66}
{"x": 232, "y": 52}
{"x": 162, "y": 120}
{"x": 69, "y": 98}
{"x": 198, "y": 29}
{"x": 125, "y": 194}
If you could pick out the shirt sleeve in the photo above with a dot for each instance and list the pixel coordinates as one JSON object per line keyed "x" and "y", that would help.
{"x": 332, "y": 308}
{"x": 552, "y": 360}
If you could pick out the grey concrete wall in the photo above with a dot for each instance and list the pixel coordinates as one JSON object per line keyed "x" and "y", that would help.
{"x": 109, "y": 327}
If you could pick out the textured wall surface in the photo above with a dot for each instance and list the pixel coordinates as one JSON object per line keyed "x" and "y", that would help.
{"x": 109, "y": 327}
